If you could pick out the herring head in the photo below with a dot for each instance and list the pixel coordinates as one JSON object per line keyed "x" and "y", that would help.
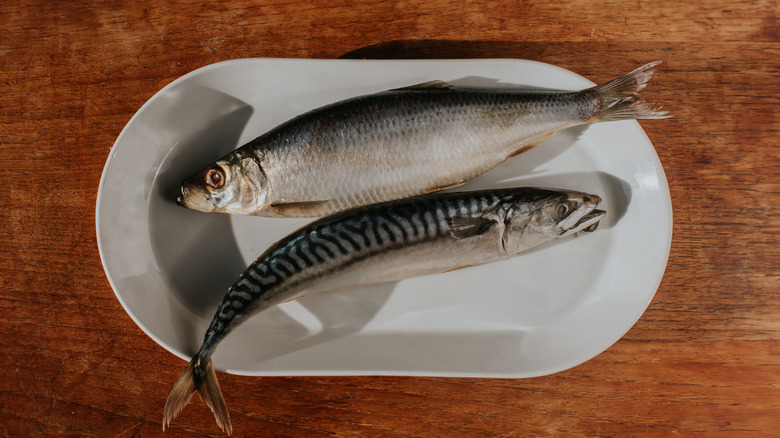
{"x": 552, "y": 215}
{"x": 235, "y": 184}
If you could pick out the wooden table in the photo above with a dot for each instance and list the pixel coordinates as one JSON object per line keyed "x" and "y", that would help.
{"x": 704, "y": 360}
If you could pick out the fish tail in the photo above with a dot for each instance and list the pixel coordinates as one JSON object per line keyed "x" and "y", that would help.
{"x": 203, "y": 380}
{"x": 620, "y": 100}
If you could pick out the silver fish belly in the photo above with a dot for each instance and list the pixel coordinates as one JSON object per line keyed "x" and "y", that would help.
{"x": 385, "y": 242}
{"x": 399, "y": 143}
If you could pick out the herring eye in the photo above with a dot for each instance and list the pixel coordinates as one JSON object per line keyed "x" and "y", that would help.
{"x": 215, "y": 178}
{"x": 562, "y": 210}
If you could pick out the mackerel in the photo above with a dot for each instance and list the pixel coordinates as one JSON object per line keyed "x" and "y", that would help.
{"x": 384, "y": 242}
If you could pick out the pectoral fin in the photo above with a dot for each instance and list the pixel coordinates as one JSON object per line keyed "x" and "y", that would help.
{"x": 463, "y": 227}
{"x": 305, "y": 208}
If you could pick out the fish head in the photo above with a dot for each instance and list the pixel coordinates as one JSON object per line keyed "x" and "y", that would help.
{"x": 551, "y": 215}
{"x": 235, "y": 184}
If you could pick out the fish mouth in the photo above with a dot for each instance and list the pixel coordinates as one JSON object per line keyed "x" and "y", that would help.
{"x": 182, "y": 194}
{"x": 587, "y": 223}
{"x": 193, "y": 199}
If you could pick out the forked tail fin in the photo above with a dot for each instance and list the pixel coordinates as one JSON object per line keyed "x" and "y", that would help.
{"x": 620, "y": 99}
{"x": 203, "y": 379}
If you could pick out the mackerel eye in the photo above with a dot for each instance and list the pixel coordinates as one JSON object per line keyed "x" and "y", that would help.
{"x": 215, "y": 178}
{"x": 562, "y": 211}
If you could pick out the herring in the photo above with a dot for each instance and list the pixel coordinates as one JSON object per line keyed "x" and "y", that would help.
{"x": 383, "y": 242}
{"x": 399, "y": 143}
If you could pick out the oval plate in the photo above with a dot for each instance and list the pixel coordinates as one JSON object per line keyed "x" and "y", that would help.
{"x": 541, "y": 312}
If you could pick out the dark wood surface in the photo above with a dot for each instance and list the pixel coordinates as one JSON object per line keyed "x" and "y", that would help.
{"x": 704, "y": 360}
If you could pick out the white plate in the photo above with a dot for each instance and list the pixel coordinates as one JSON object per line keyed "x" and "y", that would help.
{"x": 541, "y": 312}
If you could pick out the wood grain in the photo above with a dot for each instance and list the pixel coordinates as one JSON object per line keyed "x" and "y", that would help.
{"x": 702, "y": 360}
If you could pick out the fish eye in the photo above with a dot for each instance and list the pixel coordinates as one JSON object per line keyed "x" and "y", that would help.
{"x": 562, "y": 210}
{"x": 215, "y": 178}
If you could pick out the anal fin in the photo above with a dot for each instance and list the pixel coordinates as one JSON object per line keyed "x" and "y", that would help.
{"x": 460, "y": 267}
{"x": 528, "y": 147}
{"x": 444, "y": 187}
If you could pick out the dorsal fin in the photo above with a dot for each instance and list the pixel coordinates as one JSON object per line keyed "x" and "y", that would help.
{"x": 430, "y": 85}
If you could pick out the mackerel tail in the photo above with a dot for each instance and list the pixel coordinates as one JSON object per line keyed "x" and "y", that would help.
{"x": 378, "y": 243}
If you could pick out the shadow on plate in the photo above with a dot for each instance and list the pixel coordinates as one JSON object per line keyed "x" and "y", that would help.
{"x": 302, "y": 324}
{"x": 197, "y": 252}
{"x": 457, "y": 353}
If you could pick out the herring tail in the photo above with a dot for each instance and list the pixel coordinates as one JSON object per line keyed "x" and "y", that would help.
{"x": 619, "y": 99}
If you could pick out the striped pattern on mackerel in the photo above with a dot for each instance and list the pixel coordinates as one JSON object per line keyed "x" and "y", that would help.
{"x": 384, "y": 242}
{"x": 333, "y": 245}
